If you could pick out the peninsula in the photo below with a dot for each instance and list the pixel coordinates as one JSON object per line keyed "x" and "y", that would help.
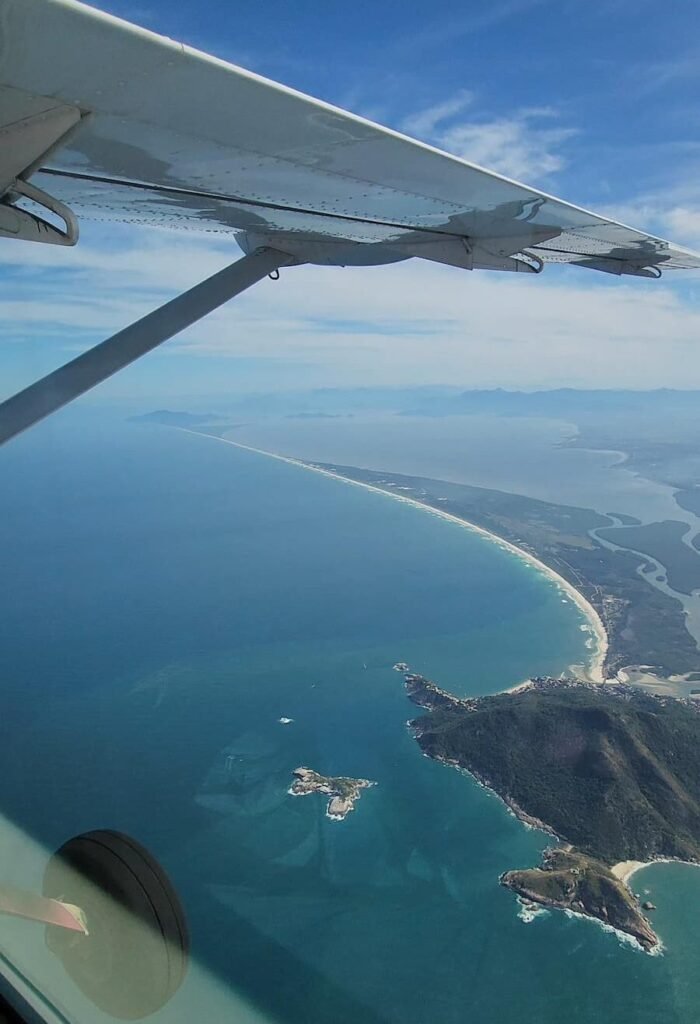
{"x": 343, "y": 792}
{"x": 610, "y": 771}
{"x": 642, "y": 626}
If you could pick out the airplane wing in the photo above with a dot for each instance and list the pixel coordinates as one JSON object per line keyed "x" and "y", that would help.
{"x": 105, "y": 120}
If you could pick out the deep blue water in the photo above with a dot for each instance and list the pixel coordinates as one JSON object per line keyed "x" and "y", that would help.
{"x": 167, "y": 598}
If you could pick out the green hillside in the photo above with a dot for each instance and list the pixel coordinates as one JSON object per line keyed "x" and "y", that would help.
{"x": 611, "y": 770}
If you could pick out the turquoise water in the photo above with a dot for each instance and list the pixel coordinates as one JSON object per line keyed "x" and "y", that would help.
{"x": 167, "y": 599}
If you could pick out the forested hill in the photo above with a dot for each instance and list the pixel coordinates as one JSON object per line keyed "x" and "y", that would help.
{"x": 611, "y": 770}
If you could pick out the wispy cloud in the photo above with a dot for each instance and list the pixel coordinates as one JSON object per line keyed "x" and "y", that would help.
{"x": 401, "y": 324}
{"x": 428, "y": 123}
{"x": 527, "y": 144}
{"x": 684, "y": 222}
{"x": 671, "y": 211}
{"x": 466, "y": 24}
{"x": 657, "y": 76}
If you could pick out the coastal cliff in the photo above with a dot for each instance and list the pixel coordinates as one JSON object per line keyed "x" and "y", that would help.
{"x": 569, "y": 880}
{"x": 612, "y": 772}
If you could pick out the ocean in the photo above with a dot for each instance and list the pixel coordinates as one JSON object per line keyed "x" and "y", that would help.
{"x": 167, "y": 599}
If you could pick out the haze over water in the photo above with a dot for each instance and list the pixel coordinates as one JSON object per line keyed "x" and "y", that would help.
{"x": 522, "y": 455}
{"x": 167, "y": 599}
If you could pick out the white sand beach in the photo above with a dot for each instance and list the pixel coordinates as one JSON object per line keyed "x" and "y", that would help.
{"x": 626, "y": 868}
{"x": 594, "y": 670}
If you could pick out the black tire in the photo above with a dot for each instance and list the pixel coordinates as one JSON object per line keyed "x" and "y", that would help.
{"x": 135, "y": 955}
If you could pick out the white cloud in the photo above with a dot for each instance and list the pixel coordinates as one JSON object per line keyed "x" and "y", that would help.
{"x": 402, "y": 324}
{"x": 517, "y": 146}
{"x": 528, "y": 144}
{"x": 465, "y": 22}
{"x": 426, "y": 123}
{"x": 684, "y": 222}
{"x": 652, "y": 77}
{"x": 673, "y": 213}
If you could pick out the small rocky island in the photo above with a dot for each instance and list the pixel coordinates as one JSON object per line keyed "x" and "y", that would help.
{"x": 343, "y": 792}
{"x": 610, "y": 771}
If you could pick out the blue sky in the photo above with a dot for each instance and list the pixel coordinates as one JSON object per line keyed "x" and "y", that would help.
{"x": 596, "y": 102}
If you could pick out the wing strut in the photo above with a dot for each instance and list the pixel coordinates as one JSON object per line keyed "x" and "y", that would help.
{"x": 55, "y": 390}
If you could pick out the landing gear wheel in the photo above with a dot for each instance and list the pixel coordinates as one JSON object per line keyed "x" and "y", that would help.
{"x": 135, "y": 954}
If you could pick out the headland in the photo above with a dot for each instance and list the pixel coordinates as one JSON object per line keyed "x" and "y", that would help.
{"x": 611, "y": 772}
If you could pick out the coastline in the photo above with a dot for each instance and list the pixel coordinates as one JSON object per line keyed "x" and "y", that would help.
{"x": 594, "y": 670}
{"x": 627, "y": 868}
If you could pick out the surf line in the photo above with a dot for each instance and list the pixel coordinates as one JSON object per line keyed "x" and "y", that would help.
{"x": 598, "y": 654}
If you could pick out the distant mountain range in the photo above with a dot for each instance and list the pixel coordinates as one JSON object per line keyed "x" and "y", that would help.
{"x": 561, "y": 403}
{"x": 171, "y": 418}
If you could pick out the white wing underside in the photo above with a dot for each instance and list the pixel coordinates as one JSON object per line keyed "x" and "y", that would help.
{"x": 165, "y": 135}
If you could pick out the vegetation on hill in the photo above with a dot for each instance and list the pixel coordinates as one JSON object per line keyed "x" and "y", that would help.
{"x": 611, "y": 770}
{"x": 572, "y": 881}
